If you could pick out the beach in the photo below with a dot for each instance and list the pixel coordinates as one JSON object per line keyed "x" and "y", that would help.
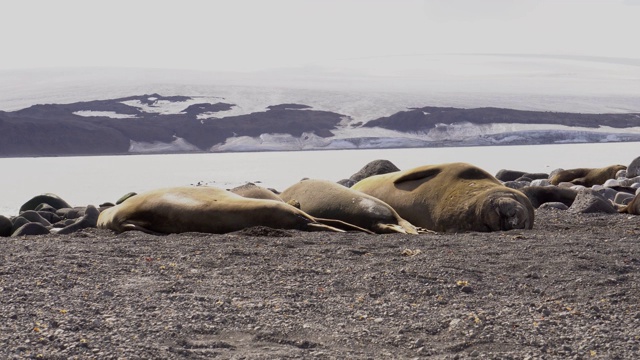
{"x": 566, "y": 289}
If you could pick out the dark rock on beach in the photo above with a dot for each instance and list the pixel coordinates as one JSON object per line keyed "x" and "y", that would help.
{"x": 5, "y": 226}
{"x": 52, "y": 200}
{"x": 375, "y": 167}
{"x": 88, "y": 220}
{"x": 30, "y": 229}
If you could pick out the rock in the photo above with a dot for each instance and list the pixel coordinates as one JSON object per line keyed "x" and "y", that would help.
{"x": 33, "y": 216}
{"x": 63, "y": 223}
{"x": 45, "y": 207}
{"x": 90, "y": 219}
{"x": 523, "y": 179}
{"x": 553, "y": 205}
{"x": 466, "y": 289}
{"x": 589, "y": 201}
{"x": 5, "y": 226}
{"x": 623, "y": 198}
{"x": 612, "y": 183}
{"x": 621, "y": 174}
{"x": 376, "y": 167}
{"x": 633, "y": 169}
{"x": 609, "y": 194}
{"x": 505, "y": 175}
{"x": 630, "y": 181}
{"x": 516, "y": 184}
{"x": 18, "y": 222}
{"x": 346, "y": 182}
{"x": 49, "y": 216}
{"x": 71, "y": 213}
{"x": 32, "y": 228}
{"x": 540, "y": 182}
{"x": 537, "y": 176}
{"x": 50, "y": 199}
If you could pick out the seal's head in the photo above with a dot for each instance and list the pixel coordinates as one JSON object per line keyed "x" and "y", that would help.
{"x": 506, "y": 209}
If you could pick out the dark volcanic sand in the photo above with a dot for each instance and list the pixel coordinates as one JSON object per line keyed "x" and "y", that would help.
{"x": 567, "y": 289}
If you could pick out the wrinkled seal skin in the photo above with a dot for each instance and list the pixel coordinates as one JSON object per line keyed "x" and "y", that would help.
{"x": 326, "y": 199}
{"x": 453, "y": 197}
{"x": 587, "y": 176}
{"x": 203, "y": 209}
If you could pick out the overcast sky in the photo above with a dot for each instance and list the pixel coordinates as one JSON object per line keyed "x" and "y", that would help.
{"x": 241, "y": 35}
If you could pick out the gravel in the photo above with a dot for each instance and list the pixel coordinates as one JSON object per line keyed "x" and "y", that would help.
{"x": 569, "y": 288}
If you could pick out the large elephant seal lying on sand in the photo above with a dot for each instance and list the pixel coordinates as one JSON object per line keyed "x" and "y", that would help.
{"x": 326, "y": 199}
{"x": 451, "y": 198}
{"x": 586, "y": 176}
{"x": 204, "y": 209}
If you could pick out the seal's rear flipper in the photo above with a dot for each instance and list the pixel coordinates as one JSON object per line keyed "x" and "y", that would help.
{"x": 322, "y": 227}
{"x": 342, "y": 225}
{"x": 131, "y": 227}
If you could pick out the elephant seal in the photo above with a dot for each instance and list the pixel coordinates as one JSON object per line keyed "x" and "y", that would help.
{"x": 633, "y": 207}
{"x": 253, "y": 191}
{"x": 451, "y": 198}
{"x": 539, "y": 195}
{"x": 586, "y": 176}
{"x": 205, "y": 209}
{"x": 326, "y": 199}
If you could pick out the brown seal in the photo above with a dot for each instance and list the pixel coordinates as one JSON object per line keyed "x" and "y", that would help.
{"x": 326, "y": 199}
{"x": 633, "y": 207}
{"x": 539, "y": 195}
{"x": 253, "y": 191}
{"x": 205, "y": 209}
{"x": 587, "y": 176}
{"x": 451, "y": 198}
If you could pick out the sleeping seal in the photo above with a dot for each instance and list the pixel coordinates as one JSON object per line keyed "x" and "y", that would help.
{"x": 326, "y": 199}
{"x": 586, "y": 176}
{"x": 633, "y": 207}
{"x": 204, "y": 209}
{"x": 451, "y": 198}
{"x": 253, "y": 191}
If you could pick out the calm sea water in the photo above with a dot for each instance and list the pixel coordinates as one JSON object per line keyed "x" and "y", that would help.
{"x": 97, "y": 179}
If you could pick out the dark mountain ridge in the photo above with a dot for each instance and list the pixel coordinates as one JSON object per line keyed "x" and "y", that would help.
{"x": 426, "y": 118}
{"x": 107, "y": 127}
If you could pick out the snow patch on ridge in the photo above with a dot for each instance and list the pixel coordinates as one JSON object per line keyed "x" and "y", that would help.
{"x": 109, "y": 114}
{"x": 177, "y": 145}
{"x": 166, "y": 107}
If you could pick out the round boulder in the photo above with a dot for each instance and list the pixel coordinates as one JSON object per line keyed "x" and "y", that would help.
{"x": 589, "y": 201}
{"x": 509, "y": 175}
{"x": 31, "y": 229}
{"x": 376, "y": 167}
{"x": 5, "y": 226}
{"x": 50, "y": 199}
{"x": 554, "y": 206}
{"x": 633, "y": 169}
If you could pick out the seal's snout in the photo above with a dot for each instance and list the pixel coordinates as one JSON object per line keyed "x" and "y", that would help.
{"x": 513, "y": 214}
